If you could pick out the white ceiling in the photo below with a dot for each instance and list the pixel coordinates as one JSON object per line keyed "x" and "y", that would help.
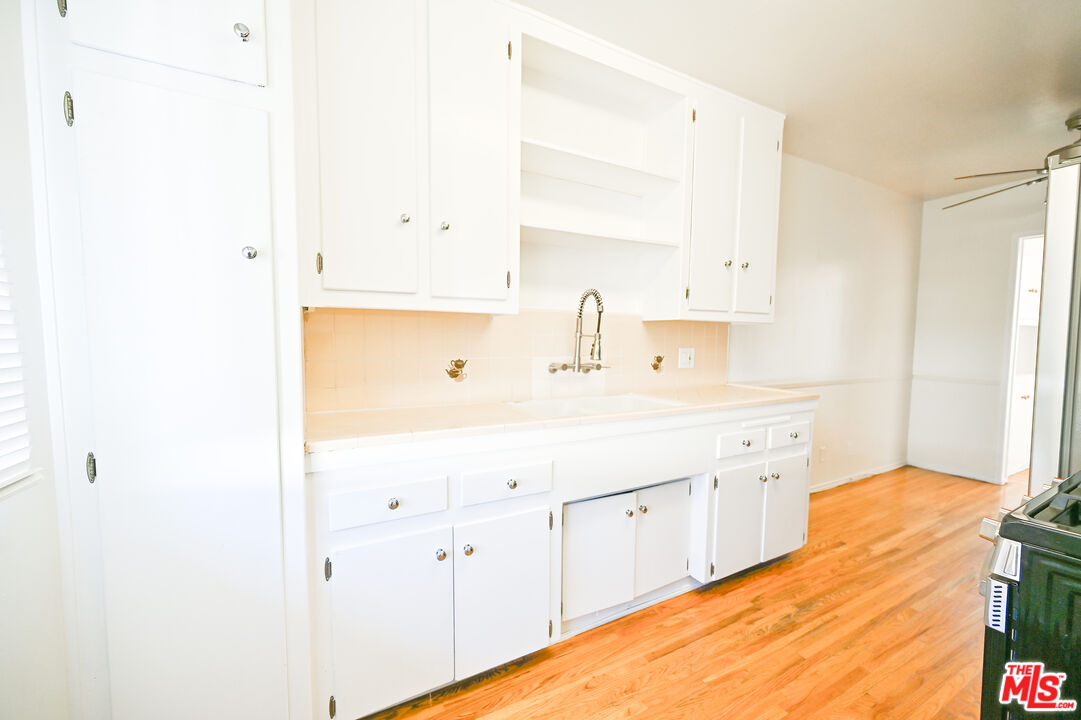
{"x": 906, "y": 94}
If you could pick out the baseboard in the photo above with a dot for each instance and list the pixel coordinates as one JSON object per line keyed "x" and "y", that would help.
{"x": 836, "y": 482}
{"x": 959, "y": 472}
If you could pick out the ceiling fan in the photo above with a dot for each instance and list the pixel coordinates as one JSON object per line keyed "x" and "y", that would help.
{"x": 1067, "y": 152}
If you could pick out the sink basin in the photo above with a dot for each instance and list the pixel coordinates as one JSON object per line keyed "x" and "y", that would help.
{"x": 595, "y": 405}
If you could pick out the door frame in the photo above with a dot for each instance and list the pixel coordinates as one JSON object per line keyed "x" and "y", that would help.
{"x": 1017, "y": 245}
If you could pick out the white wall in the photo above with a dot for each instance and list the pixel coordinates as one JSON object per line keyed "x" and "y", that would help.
{"x": 33, "y": 660}
{"x": 846, "y": 294}
{"x": 968, "y": 257}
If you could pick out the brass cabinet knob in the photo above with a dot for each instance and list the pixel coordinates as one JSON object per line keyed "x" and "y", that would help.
{"x": 763, "y": 478}
{"x": 440, "y": 554}
{"x": 393, "y": 503}
{"x": 643, "y": 509}
{"x": 468, "y": 550}
{"x": 630, "y": 513}
{"x": 512, "y": 483}
{"x": 775, "y": 476}
{"x": 793, "y": 435}
{"x": 746, "y": 443}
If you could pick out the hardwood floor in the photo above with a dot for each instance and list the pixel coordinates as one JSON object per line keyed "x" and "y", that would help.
{"x": 877, "y": 617}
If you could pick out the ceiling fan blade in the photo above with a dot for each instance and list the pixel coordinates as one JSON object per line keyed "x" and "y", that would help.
{"x": 996, "y": 192}
{"x": 1004, "y": 172}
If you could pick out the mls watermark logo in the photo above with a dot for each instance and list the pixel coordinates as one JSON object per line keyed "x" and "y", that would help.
{"x": 1034, "y": 689}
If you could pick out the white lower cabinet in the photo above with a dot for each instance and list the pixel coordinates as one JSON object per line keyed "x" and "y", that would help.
{"x": 619, "y": 547}
{"x": 392, "y": 621}
{"x": 661, "y": 545}
{"x": 786, "y": 506}
{"x": 737, "y": 530}
{"x": 759, "y": 513}
{"x": 501, "y": 580}
{"x": 598, "y": 554}
{"x": 414, "y": 611}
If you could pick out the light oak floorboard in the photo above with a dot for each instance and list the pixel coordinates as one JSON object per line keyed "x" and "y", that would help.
{"x": 877, "y": 617}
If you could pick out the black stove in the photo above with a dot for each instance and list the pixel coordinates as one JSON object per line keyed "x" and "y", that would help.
{"x": 1032, "y": 586}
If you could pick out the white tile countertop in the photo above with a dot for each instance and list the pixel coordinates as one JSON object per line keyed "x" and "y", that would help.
{"x": 327, "y": 431}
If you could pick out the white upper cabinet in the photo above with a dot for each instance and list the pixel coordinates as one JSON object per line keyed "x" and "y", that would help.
{"x": 417, "y": 105}
{"x": 472, "y": 79}
{"x": 225, "y": 38}
{"x": 368, "y": 98}
{"x": 759, "y": 198}
{"x": 718, "y": 140}
{"x": 474, "y": 156}
{"x": 730, "y": 259}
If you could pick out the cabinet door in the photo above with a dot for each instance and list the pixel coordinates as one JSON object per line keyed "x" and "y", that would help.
{"x": 760, "y": 184}
{"x": 737, "y": 519}
{"x": 718, "y": 130}
{"x": 598, "y": 554}
{"x": 664, "y": 513}
{"x": 198, "y": 35}
{"x": 470, "y": 77}
{"x": 786, "y": 506}
{"x": 392, "y": 627}
{"x": 181, "y": 401}
{"x": 368, "y": 160}
{"x": 501, "y": 590}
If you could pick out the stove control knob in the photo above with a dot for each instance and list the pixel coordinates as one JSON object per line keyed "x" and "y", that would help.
{"x": 989, "y": 529}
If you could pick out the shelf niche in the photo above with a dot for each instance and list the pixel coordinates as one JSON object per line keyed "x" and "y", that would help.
{"x": 605, "y": 176}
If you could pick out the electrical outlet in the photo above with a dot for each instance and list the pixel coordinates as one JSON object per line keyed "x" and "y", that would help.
{"x": 686, "y": 357}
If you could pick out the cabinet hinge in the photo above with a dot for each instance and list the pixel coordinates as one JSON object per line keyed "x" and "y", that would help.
{"x": 770, "y": 299}
{"x": 62, "y": 6}
{"x": 714, "y": 482}
{"x": 509, "y": 49}
{"x": 319, "y": 263}
{"x": 333, "y": 707}
{"x": 712, "y": 570}
{"x": 69, "y": 109}
{"x": 694, "y": 114}
{"x": 551, "y": 520}
{"x": 91, "y": 467}
{"x": 328, "y": 569}
{"x": 689, "y": 489}
{"x": 778, "y": 145}
{"x": 688, "y": 563}
{"x": 687, "y": 293}
{"x": 508, "y": 279}
{"x": 549, "y": 628}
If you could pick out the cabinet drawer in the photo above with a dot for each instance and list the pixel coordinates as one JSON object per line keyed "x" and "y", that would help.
{"x": 741, "y": 442}
{"x": 373, "y": 505}
{"x": 508, "y": 482}
{"x": 789, "y": 434}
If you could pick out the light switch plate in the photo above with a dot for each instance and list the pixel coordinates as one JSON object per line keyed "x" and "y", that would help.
{"x": 686, "y": 357}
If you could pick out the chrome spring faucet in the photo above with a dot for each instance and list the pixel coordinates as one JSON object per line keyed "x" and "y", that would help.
{"x": 595, "y": 348}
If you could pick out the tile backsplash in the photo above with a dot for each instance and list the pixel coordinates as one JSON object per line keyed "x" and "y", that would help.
{"x": 368, "y": 359}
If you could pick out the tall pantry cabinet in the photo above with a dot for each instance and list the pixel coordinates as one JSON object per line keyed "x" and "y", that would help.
{"x": 167, "y": 239}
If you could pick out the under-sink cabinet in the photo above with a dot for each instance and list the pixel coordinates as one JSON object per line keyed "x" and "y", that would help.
{"x": 437, "y": 559}
{"x": 620, "y": 547}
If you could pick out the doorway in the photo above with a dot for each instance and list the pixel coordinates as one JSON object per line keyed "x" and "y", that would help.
{"x": 1022, "y": 366}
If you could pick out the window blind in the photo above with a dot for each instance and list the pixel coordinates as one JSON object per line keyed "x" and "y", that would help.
{"x": 14, "y": 429}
